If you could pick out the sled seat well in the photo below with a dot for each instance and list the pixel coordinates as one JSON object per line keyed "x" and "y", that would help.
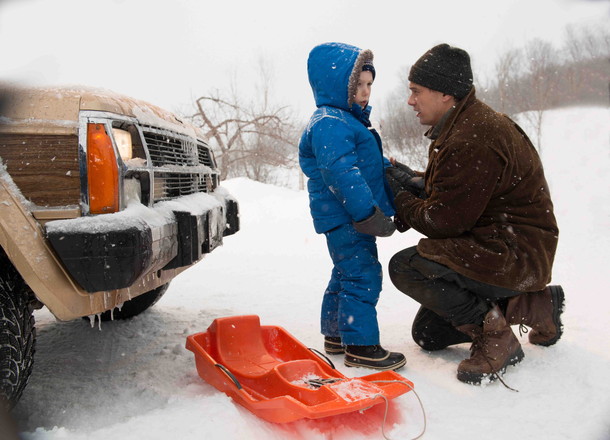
{"x": 291, "y": 379}
{"x": 240, "y": 347}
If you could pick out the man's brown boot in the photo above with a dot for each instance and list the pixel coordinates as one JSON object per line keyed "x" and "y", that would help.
{"x": 541, "y": 311}
{"x": 494, "y": 347}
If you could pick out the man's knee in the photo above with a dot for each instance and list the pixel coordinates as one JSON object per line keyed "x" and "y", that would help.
{"x": 401, "y": 262}
{"x": 410, "y": 273}
{"x": 431, "y": 332}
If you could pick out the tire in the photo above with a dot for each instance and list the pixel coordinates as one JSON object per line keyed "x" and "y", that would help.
{"x": 17, "y": 333}
{"x": 135, "y": 306}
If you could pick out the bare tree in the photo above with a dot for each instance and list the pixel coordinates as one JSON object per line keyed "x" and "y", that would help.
{"x": 587, "y": 53}
{"x": 539, "y": 77}
{"x": 507, "y": 70}
{"x": 250, "y": 139}
{"x": 401, "y": 132}
{"x": 541, "y": 83}
{"x": 583, "y": 43}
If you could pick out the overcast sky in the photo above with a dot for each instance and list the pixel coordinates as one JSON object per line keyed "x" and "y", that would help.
{"x": 170, "y": 52}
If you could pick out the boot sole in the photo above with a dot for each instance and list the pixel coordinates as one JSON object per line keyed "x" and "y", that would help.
{"x": 477, "y": 378}
{"x": 394, "y": 366}
{"x": 558, "y": 298}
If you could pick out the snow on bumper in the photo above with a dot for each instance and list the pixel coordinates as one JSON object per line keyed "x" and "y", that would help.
{"x": 112, "y": 251}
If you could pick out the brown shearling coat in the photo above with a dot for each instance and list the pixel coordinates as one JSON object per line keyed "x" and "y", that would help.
{"x": 489, "y": 214}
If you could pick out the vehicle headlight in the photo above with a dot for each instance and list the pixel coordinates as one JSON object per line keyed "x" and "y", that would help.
{"x": 123, "y": 142}
{"x": 102, "y": 171}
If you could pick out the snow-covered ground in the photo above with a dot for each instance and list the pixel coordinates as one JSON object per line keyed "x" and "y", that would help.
{"x": 135, "y": 379}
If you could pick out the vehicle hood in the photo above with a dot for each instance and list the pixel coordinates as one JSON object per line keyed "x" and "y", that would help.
{"x": 56, "y": 109}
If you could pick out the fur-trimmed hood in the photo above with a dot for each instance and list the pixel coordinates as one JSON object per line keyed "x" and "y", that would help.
{"x": 334, "y": 70}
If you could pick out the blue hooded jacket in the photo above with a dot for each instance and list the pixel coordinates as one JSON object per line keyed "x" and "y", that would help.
{"x": 339, "y": 154}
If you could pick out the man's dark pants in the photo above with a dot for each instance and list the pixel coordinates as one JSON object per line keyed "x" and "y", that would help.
{"x": 448, "y": 299}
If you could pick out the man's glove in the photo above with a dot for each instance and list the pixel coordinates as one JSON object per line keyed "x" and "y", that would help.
{"x": 400, "y": 225}
{"x": 396, "y": 185}
{"x": 377, "y": 224}
{"x": 402, "y": 178}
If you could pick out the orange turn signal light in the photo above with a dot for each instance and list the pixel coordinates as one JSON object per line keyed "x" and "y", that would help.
{"x": 102, "y": 171}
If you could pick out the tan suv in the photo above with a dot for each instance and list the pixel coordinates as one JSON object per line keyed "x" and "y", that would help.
{"x": 103, "y": 201}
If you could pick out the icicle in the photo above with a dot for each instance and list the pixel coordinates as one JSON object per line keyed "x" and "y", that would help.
{"x": 91, "y": 320}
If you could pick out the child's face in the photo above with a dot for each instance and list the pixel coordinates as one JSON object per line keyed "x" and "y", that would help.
{"x": 363, "y": 91}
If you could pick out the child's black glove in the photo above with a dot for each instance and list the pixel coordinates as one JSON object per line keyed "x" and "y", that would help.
{"x": 377, "y": 224}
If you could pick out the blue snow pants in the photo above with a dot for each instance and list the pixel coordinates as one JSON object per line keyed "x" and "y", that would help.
{"x": 348, "y": 306}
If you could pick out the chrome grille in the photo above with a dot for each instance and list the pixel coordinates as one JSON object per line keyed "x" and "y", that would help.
{"x": 205, "y": 155}
{"x": 172, "y": 185}
{"x": 169, "y": 150}
{"x": 165, "y": 149}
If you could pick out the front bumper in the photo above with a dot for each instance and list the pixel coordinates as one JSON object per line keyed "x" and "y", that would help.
{"x": 112, "y": 251}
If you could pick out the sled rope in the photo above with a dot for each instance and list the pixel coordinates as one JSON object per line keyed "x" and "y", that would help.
{"x": 318, "y": 382}
{"x": 387, "y": 405}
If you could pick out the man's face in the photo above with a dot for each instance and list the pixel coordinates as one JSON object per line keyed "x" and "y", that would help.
{"x": 429, "y": 104}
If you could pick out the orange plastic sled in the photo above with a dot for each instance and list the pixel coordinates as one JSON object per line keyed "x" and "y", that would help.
{"x": 269, "y": 372}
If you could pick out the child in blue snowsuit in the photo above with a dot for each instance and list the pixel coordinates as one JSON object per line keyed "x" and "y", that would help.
{"x": 350, "y": 200}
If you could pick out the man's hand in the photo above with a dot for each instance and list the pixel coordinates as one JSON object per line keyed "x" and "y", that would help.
{"x": 395, "y": 180}
{"x": 402, "y": 178}
{"x": 400, "y": 225}
{"x": 377, "y": 224}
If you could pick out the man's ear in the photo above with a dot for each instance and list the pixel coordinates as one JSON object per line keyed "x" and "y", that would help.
{"x": 447, "y": 98}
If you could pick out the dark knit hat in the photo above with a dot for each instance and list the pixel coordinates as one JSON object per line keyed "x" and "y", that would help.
{"x": 445, "y": 69}
{"x": 368, "y": 67}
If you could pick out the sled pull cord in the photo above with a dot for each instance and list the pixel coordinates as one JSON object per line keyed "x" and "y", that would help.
{"x": 387, "y": 403}
{"x": 323, "y": 357}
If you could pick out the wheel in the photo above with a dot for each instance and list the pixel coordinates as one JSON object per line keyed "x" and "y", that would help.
{"x": 137, "y": 305}
{"x": 17, "y": 333}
